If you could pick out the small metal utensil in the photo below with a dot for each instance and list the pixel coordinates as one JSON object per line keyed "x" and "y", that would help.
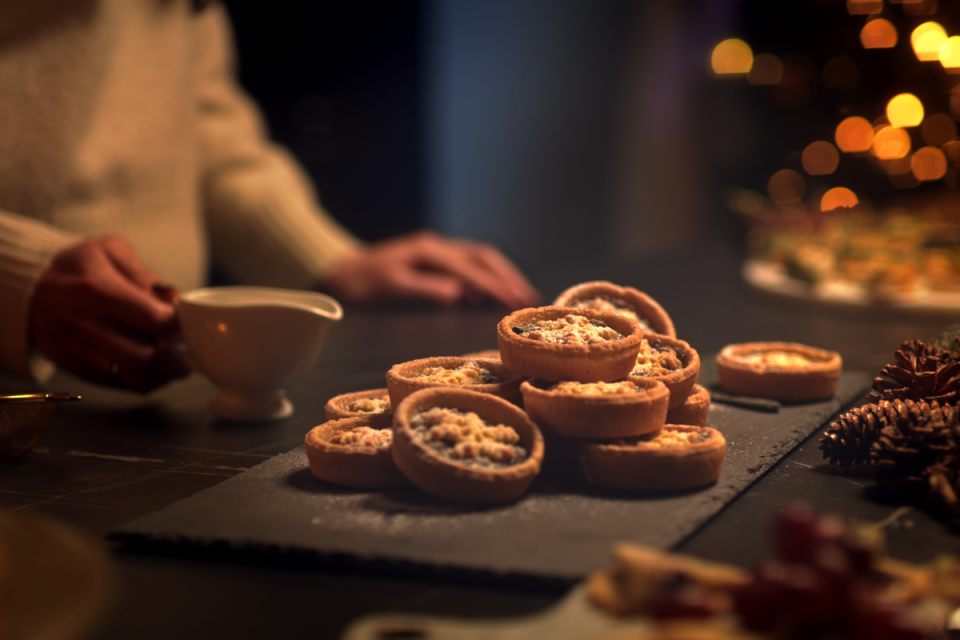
{"x": 23, "y": 421}
{"x": 747, "y": 402}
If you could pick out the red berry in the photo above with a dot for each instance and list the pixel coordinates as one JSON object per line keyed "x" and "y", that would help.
{"x": 795, "y": 533}
{"x": 689, "y": 601}
{"x": 763, "y": 601}
{"x": 812, "y": 600}
{"x": 859, "y": 555}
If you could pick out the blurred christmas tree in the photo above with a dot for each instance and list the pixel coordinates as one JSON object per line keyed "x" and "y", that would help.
{"x": 856, "y": 190}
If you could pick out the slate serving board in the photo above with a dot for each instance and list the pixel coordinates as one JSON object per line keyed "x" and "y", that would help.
{"x": 560, "y": 531}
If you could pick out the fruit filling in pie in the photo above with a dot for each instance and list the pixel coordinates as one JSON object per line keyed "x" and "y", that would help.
{"x": 467, "y": 438}
{"x": 569, "y": 329}
{"x": 468, "y": 373}
{"x": 657, "y": 359}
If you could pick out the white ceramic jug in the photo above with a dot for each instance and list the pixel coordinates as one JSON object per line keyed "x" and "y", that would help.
{"x": 253, "y": 342}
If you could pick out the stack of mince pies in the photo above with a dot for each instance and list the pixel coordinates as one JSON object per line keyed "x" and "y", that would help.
{"x": 599, "y": 377}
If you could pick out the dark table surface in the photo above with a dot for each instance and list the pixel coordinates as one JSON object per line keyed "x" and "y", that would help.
{"x": 114, "y": 457}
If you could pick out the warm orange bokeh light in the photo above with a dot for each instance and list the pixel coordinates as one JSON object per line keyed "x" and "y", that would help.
{"x": 938, "y": 129}
{"x": 854, "y": 134}
{"x": 731, "y": 57}
{"x": 862, "y": 7}
{"x": 905, "y": 110}
{"x": 890, "y": 143}
{"x": 928, "y": 163}
{"x": 898, "y": 167}
{"x": 926, "y": 40}
{"x": 838, "y": 197}
{"x": 878, "y": 34}
{"x": 820, "y": 158}
{"x": 786, "y": 187}
{"x": 766, "y": 70}
{"x": 919, "y": 7}
{"x": 749, "y": 203}
{"x": 950, "y": 54}
{"x": 952, "y": 151}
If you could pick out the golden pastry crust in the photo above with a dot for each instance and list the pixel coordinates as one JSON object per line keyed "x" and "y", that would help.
{"x": 673, "y": 362}
{"x": 605, "y": 360}
{"x": 486, "y": 376}
{"x": 597, "y": 410}
{"x": 431, "y": 465}
{"x": 486, "y": 354}
{"x": 694, "y": 410}
{"x": 602, "y": 295}
{"x": 373, "y": 403}
{"x": 676, "y": 458}
{"x": 785, "y": 371}
{"x": 353, "y": 452}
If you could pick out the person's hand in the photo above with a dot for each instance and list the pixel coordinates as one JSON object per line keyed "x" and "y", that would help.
{"x": 429, "y": 267}
{"x": 100, "y": 314}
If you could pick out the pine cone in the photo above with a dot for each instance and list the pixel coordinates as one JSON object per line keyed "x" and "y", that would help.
{"x": 848, "y": 439}
{"x": 924, "y": 372}
{"x": 912, "y": 444}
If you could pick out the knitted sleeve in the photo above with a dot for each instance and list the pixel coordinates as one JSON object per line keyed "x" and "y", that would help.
{"x": 265, "y": 223}
{"x": 26, "y": 248}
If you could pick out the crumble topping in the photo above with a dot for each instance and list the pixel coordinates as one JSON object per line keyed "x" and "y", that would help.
{"x": 777, "y": 358}
{"x": 615, "y": 305}
{"x": 622, "y": 387}
{"x": 570, "y": 329}
{"x": 467, "y": 373}
{"x": 465, "y": 437}
{"x": 667, "y": 438}
{"x": 370, "y": 404}
{"x": 363, "y": 437}
{"x": 657, "y": 359}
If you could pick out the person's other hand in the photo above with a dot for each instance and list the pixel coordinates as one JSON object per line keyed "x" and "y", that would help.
{"x": 429, "y": 267}
{"x": 100, "y": 314}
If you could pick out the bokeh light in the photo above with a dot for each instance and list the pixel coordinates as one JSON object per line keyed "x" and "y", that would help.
{"x": 927, "y": 39}
{"x": 878, "y": 34}
{"x": 890, "y": 143}
{"x": 838, "y": 197}
{"x": 905, "y": 110}
{"x": 952, "y": 151}
{"x": 731, "y": 57}
{"x": 950, "y": 54}
{"x": 854, "y": 135}
{"x": 938, "y": 129}
{"x": 928, "y": 163}
{"x": 748, "y": 202}
{"x": 766, "y": 70}
{"x": 919, "y": 7}
{"x": 820, "y": 158}
{"x": 862, "y": 7}
{"x": 840, "y": 73}
{"x": 897, "y": 167}
{"x": 786, "y": 187}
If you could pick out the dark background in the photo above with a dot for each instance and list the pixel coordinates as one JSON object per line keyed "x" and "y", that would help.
{"x": 343, "y": 85}
{"x": 340, "y": 86}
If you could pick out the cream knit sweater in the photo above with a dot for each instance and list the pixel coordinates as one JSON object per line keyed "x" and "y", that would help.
{"x": 124, "y": 116}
